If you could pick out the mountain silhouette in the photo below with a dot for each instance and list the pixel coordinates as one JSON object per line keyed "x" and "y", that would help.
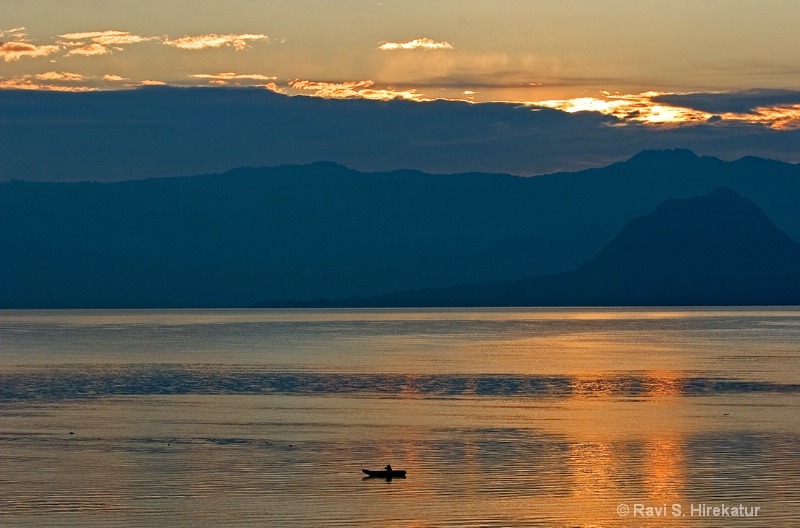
{"x": 315, "y": 231}
{"x": 718, "y": 249}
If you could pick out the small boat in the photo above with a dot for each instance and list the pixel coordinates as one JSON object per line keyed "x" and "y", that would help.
{"x": 395, "y": 473}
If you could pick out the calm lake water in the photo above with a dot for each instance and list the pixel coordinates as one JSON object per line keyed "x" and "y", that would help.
{"x": 539, "y": 417}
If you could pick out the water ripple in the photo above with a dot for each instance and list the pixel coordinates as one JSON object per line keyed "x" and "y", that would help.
{"x": 78, "y": 382}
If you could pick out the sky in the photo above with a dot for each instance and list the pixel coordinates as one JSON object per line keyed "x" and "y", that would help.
{"x": 716, "y": 65}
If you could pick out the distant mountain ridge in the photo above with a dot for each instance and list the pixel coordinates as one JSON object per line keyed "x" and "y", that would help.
{"x": 324, "y": 231}
{"x": 718, "y": 249}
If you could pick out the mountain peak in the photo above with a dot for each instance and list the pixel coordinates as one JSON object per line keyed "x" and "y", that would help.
{"x": 715, "y": 249}
{"x": 721, "y": 204}
{"x": 328, "y": 165}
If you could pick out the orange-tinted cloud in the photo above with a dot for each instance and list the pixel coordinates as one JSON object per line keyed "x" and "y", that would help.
{"x": 651, "y": 108}
{"x": 62, "y": 76}
{"x": 630, "y": 107}
{"x": 212, "y": 40}
{"x": 355, "y": 90}
{"x": 90, "y": 50}
{"x": 225, "y": 78}
{"x": 779, "y": 117}
{"x": 113, "y": 78}
{"x": 272, "y": 87}
{"x": 230, "y": 76}
{"x": 419, "y": 43}
{"x": 27, "y": 82}
{"x": 11, "y": 51}
{"x": 97, "y": 43}
{"x": 107, "y": 38}
{"x": 18, "y": 32}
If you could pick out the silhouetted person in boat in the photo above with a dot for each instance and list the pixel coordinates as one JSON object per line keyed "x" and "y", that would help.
{"x": 388, "y": 468}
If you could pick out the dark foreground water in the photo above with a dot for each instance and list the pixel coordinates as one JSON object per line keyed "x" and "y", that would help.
{"x": 566, "y": 418}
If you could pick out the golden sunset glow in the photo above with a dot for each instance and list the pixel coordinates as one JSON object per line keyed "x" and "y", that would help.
{"x": 355, "y": 90}
{"x": 633, "y": 107}
{"x": 780, "y": 117}
{"x": 642, "y": 108}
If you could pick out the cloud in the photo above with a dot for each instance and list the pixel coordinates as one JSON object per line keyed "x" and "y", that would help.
{"x": 630, "y": 107}
{"x": 488, "y": 72}
{"x": 779, "y": 117}
{"x": 51, "y": 81}
{"x": 773, "y": 109}
{"x": 212, "y": 40}
{"x": 113, "y": 78}
{"x": 226, "y": 77}
{"x": 90, "y": 50}
{"x": 107, "y": 38}
{"x": 355, "y": 90}
{"x": 28, "y": 82}
{"x": 63, "y": 76}
{"x": 11, "y": 51}
{"x": 736, "y": 102}
{"x": 419, "y": 43}
{"x": 18, "y": 32}
{"x": 778, "y": 109}
{"x": 272, "y": 87}
{"x": 98, "y": 43}
{"x": 151, "y": 82}
{"x": 642, "y": 107}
